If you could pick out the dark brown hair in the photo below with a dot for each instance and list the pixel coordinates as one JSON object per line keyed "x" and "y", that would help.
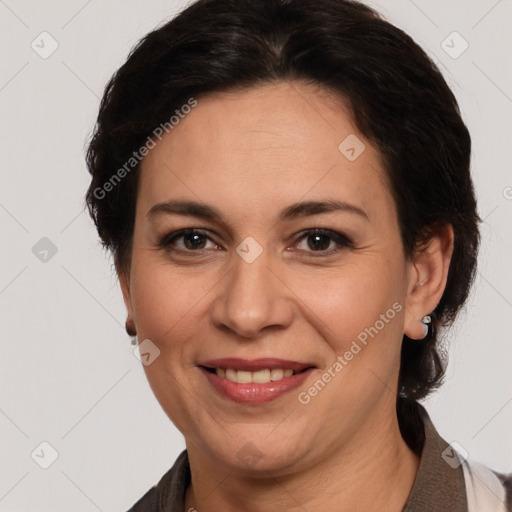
{"x": 398, "y": 97}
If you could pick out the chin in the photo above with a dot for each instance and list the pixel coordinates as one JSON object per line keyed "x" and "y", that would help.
{"x": 258, "y": 453}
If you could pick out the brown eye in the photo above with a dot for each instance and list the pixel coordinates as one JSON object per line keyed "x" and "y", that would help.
{"x": 188, "y": 240}
{"x": 322, "y": 241}
{"x": 194, "y": 241}
{"x": 319, "y": 242}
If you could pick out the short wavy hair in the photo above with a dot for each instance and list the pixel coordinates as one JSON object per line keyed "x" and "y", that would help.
{"x": 399, "y": 101}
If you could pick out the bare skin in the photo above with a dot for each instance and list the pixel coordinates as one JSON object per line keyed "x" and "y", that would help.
{"x": 250, "y": 155}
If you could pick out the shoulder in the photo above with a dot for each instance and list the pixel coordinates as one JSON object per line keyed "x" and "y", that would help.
{"x": 486, "y": 489}
{"x": 447, "y": 480}
{"x": 148, "y": 502}
{"x": 506, "y": 481}
{"x": 169, "y": 493}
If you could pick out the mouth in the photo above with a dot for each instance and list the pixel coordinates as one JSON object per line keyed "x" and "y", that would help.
{"x": 259, "y": 377}
{"x": 255, "y": 381}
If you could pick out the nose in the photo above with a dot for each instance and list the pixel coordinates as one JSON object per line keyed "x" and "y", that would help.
{"x": 254, "y": 297}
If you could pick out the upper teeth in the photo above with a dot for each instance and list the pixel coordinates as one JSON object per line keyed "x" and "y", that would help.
{"x": 260, "y": 377}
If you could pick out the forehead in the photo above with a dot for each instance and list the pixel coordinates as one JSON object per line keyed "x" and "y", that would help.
{"x": 273, "y": 145}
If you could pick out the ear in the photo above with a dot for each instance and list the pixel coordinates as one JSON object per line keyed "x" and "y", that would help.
{"x": 124, "y": 281}
{"x": 428, "y": 273}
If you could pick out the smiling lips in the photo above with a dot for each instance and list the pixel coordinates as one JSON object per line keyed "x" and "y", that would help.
{"x": 259, "y": 377}
{"x": 257, "y": 381}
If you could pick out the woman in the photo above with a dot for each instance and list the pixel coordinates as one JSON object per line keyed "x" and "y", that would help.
{"x": 285, "y": 188}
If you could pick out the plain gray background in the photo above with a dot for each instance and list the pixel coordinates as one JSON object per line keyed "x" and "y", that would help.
{"x": 68, "y": 374}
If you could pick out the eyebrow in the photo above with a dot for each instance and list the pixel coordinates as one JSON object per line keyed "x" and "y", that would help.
{"x": 294, "y": 211}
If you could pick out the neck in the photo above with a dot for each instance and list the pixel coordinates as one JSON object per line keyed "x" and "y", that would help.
{"x": 361, "y": 474}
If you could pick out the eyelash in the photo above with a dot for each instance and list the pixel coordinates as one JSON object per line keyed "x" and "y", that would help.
{"x": 340, "y": 239}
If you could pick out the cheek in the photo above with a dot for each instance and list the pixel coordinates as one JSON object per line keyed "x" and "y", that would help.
{"x": 350, "y": 300}
{"x": 172, "y": 309}
{"x": 359, "y": 313}
{"x": 168, "y": 303}
{"x": 169, "y": 308}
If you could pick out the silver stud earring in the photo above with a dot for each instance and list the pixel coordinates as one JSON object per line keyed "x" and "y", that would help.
{"x": 426, "y": 320}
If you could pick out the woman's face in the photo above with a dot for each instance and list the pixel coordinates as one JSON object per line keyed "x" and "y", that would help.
{"x": 252, "y": 283}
